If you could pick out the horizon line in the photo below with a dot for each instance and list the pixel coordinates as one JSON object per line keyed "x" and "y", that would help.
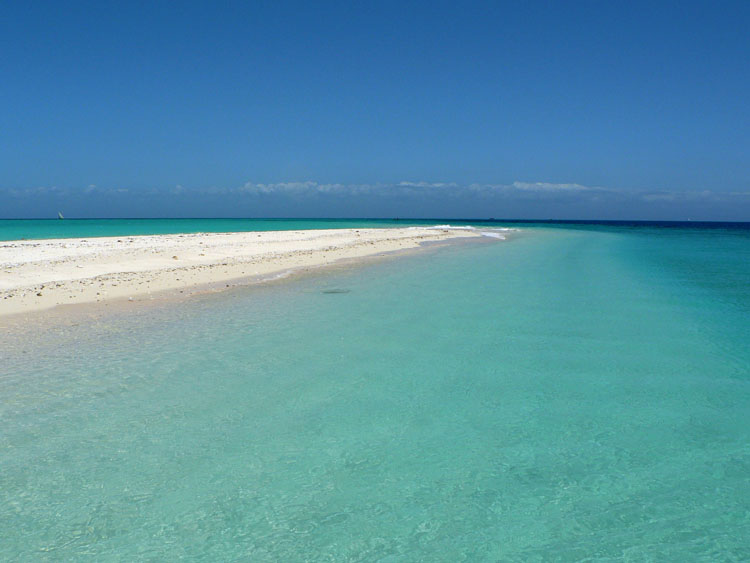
{"x": 464, "y": 219}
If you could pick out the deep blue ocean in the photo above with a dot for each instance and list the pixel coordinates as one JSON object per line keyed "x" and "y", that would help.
{"x": 576, "y": 392}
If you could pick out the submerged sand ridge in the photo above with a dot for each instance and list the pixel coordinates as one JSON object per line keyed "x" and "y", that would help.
{"x": 40, "y": 274}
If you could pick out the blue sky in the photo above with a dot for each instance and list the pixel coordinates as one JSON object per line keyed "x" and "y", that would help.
{"x": 620, "y": 110}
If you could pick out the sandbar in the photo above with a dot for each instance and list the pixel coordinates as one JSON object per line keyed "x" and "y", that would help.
{"x": 41, "y": 274}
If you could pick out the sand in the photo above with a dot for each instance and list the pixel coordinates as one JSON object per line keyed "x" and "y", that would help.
{"x": 41, "y": 274}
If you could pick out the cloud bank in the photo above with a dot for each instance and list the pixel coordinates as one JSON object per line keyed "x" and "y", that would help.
{"x": 416, "y": 199}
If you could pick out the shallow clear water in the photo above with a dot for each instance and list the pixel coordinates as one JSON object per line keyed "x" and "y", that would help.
{"x": 564, "y": 395}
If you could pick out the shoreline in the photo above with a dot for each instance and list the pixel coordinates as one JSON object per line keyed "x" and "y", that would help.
{"x": 41, "y": 275}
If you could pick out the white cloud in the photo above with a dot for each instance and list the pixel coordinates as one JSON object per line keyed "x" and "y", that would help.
{"x": 404, "y": 190}
{"x": 428, "y": 184}
{"x": 409, "y": 187}
{"x": 280, "y": 187}
{"x": 548, "y": 187}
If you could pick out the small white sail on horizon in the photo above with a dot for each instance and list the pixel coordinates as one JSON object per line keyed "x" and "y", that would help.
{"x": 60, "y": 215}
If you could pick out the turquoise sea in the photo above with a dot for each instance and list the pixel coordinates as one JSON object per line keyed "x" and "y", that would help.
{"x": 17, "y": 229}
{"x": 577, "y": 392}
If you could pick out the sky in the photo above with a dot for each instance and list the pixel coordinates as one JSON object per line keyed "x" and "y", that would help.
{"x": 569, "y": 110}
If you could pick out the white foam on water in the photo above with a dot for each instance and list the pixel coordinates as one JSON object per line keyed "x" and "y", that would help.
{"x": 494, "y": 232}
{"x": 492, "y": 235}
{"x": 444, "y": 227}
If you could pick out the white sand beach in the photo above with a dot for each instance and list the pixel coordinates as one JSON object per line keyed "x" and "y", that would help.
{"x": 41, "y": 274}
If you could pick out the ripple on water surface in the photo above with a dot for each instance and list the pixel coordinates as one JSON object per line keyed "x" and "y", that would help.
{"x": 563, "y": 395}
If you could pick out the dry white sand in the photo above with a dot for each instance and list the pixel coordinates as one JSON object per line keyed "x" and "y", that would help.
{"x": 40, "y": 274}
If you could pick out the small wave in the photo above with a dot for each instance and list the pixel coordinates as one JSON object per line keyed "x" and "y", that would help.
{"x": 493, "y": 232}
